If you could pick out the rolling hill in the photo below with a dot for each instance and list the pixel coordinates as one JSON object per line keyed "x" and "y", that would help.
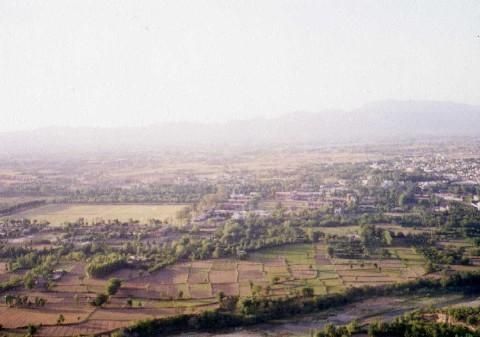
{"x": 385, "y": 120}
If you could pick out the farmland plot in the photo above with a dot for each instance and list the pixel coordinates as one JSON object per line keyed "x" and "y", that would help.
{"x": 194, "y": 286}
{"x": 57, "y": 214}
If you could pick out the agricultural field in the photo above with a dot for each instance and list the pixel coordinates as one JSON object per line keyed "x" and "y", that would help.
{"x": 57, "y": 214}
{"x": 190, "y": 287}
{"x": 310, "y": 265}
{"x": 353, "y": 229}
{"x": 260, "y": 227}
{"x": 70, "y": 297}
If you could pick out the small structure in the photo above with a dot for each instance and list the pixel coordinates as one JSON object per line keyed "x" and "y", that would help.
{"x": 58, "y": 274}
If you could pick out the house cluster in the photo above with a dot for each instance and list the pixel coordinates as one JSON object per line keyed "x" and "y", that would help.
{"x": 237, "y": 206}
{"x": 476, "y": 202}
{"x": 336, "y": 198}
{"x": 239, "y": 202}
{"x": 444, "y": 172}
{"x": 460, "y": 171}
{"x": 367, "y": 204}
{"x": 18, "y": 228}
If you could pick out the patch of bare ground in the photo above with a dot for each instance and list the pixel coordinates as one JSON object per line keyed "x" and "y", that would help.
{"x": 20, "y": 317}
{"x": 223, "y": 276}
{"x": 230, "y": 289}
{"x": 90, "y": 327}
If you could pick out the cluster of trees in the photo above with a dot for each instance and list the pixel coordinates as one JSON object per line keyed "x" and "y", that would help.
{"x": 468, "y": 315}
{"x": 319, "y": 218}
{"x": 99, "y": 300}
{"x": 206, "y": 321}
{"x": 102, "y": 265}
{"x": 460, "y": 220}
{"x": 235, "y": 238}
{"x": 23, "y": 301}
{"x": 345, "y": 248}
{"x": 12, "y": 283}
{"x": 40, "y": 264}
{"x": 140, "y": 193}
{"x": 10, "y": 209}
{"x": 258, "y": 232}
{"x": 14, "y": 228}
{"x": 445, "y": 256}
{"x": 415, "y": 325}
{"x": 371, "y": 238}
{"x": 146, "y": 193}
{"x": 28, "y": 260}
{"x": 112, "y": 287}
{"x": 12, "y": 252}
{"x": 331, "y": 330}
{"x": 415, "y": 239}
{"x": 374, "y": 237}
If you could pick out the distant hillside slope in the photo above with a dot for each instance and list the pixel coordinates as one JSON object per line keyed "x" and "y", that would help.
{"x": 375, "y": 121}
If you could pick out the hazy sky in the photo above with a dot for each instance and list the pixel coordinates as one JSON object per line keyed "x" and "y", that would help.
{"x": 117, "y": 63}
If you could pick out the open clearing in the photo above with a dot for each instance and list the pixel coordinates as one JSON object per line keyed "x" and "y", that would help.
{"x": 60, "y": 213}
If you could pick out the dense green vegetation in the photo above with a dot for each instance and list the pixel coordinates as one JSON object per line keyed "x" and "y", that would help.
{"x": 113, "y": 285}
{"x": 102, "y": 265}
{"x": 467, "y": 315}
{"x": 415, "y": 325}
{"x": 236, "y": 239}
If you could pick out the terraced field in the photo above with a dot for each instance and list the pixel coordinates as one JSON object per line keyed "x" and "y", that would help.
{"x": 194, "y": 286}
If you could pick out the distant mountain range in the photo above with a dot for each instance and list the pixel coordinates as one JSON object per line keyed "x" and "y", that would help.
{"x": 385, "y": 120}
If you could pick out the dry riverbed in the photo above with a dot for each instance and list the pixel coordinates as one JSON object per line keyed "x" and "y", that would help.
{"x": 382, "y": 308}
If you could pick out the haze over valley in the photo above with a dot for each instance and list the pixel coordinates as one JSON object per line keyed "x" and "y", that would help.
{"x": 240, "y": 168}
{"x": 384, "y": 121}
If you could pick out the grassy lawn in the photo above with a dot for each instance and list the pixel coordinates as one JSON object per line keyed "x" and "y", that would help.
{"x": 294, "y": 254}
{"x": 408, "y": 256}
